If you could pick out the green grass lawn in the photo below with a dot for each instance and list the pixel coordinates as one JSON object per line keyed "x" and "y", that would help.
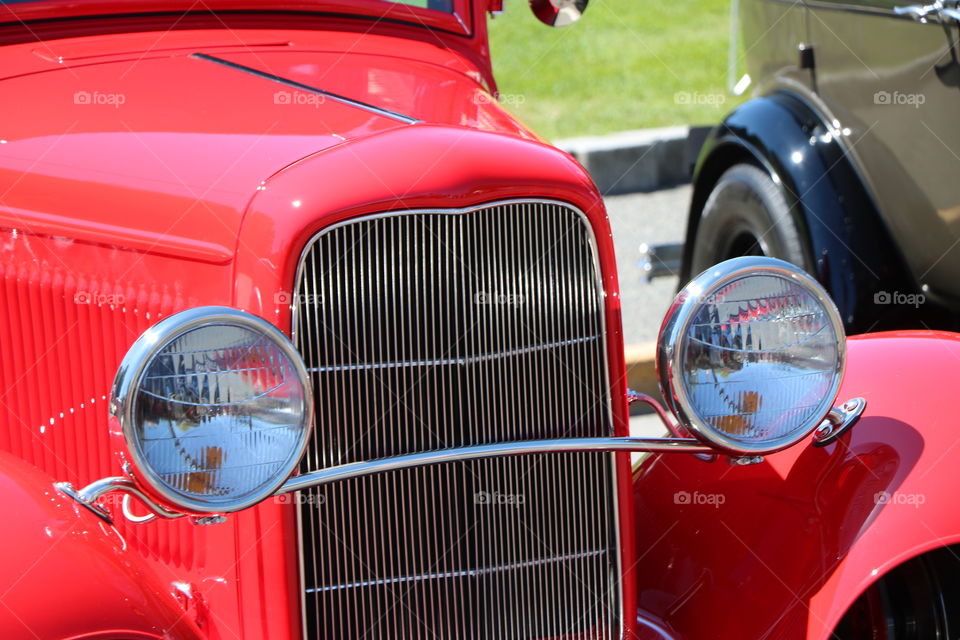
{"x": 627, "y": 64}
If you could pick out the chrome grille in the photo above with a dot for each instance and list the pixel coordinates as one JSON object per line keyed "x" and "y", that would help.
{"x": 434, "y": 329}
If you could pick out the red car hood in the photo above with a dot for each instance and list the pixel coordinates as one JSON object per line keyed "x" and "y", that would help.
{"x": 140, "y": 149}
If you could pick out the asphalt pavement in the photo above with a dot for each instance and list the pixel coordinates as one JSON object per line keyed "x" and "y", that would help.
{"x": 656, "y": 217}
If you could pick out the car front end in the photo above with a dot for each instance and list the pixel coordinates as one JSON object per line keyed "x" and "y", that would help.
{"x": 305, "y": 336}
{"x": 447, "y": 281}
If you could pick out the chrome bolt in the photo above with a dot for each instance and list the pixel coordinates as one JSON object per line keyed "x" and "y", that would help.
{"x": 824, "y": 430}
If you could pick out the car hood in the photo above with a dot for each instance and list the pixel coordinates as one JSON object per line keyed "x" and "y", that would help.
{"x": 143, "y": 152}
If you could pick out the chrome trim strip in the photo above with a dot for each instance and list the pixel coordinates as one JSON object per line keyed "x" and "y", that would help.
{"x": 130, "y": 515}
{"x": 302, "y": 568}
{"x": 460, "y": 454}
{"x": 469, "y": 573}
{"x": 305, "y": 87}
{"x": 876, "y": 10}
{"x": 486, "y": 357}
{"x": 654, "y": 627}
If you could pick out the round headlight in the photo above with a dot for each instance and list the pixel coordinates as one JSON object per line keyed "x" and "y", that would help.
{"x": 751, "y": 355}
{"x": 216, "y": 408}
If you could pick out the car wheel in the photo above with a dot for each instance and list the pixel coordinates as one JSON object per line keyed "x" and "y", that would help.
{"x": 746, "y": 214}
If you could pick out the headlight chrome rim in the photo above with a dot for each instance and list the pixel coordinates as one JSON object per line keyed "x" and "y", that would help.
{"x": 672, "y": 344}
{"x": 139, "y": 357}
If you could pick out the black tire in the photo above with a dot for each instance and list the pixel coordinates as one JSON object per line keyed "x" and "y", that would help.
{"x": 917, "y": 600}
{"x": 746, "y": 214}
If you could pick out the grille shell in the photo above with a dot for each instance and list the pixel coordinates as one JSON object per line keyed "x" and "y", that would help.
{"x": 431, "y": 329}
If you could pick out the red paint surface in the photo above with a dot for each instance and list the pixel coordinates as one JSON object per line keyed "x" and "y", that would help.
{"x": 458, "y": 22}
{"x": 67, "y": 574}
{"x": 201, "y": 188}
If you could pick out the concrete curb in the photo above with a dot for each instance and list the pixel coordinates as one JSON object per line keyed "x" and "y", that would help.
{"x": 642, "y": 160}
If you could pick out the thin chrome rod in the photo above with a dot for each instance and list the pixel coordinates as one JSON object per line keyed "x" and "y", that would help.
{"x": 500, "y": 355}
{"x": 356, "y": 469}
{"x": 665, "y": 418}
{"x": 88, "y": 496}
{"x": 472, "y": 573}
{"x": 306, "y": 87}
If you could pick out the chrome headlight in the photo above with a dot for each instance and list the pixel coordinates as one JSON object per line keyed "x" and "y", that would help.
{"x": 215, "y": 407}
{"x": 751, "y": 355}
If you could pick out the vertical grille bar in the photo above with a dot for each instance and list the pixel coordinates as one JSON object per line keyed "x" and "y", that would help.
{"x": 433, "y": 329}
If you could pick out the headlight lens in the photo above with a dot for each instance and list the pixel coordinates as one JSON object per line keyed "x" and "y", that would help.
{"x": 215, "y": 407}
{"x": 751, "y": 355}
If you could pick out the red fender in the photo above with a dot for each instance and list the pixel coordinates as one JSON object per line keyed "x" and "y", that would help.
{"x": 783, "y": 548}
{"x": 66, "y": 573}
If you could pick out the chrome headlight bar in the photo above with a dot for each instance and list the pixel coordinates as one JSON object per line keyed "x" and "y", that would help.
{"x": 215, "y": 405}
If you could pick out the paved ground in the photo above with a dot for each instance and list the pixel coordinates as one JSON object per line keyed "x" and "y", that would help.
{"x": 656, "y": 217}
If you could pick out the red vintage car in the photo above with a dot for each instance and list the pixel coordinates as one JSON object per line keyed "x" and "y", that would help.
{"x": 303, "y": 336}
